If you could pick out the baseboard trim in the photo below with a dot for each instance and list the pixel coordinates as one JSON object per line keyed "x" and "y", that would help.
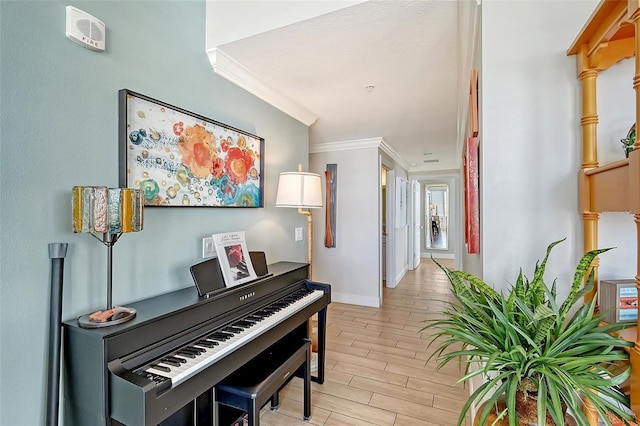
{"x": 402, "y": 273}
{"x": 353, "y": 299}
{"x": 437, "y": 255}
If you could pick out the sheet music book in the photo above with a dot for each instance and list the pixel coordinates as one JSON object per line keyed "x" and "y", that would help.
{"x": 234, "y": 258}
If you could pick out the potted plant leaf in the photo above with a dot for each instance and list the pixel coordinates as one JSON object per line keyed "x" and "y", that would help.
{"x": 538, "y": 356}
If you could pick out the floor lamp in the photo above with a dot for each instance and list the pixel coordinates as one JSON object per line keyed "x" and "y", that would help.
{"x": 110, "y": 212}
{"x": 302, "y": 191}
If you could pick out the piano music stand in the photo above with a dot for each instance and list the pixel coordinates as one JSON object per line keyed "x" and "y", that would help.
{"x": 207, "y": 275}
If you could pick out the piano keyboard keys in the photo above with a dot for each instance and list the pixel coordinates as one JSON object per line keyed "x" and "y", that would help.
{"x": 171, "y": 361}
{"x": 161, "y": 368}
{"x": 244, "y": 323}
{"x": 218, "y": 335}
{"x": 187, "y": 361}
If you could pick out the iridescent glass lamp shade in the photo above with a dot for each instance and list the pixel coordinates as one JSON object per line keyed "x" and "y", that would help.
{"x": 110, "y": 212}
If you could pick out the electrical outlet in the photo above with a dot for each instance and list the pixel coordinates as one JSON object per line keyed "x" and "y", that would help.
{"x": 208, "y": 247}
{"x": 298, "y": 234}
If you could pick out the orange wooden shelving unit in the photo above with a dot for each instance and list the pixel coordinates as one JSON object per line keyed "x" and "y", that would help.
{"x": 611, "y": 34}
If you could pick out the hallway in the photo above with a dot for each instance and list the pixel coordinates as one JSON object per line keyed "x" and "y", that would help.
{"x": 377, "y": 370}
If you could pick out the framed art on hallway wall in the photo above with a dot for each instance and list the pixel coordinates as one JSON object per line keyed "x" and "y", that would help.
{"x": 182, "y": 159}
{"x": 473, "y": 104}
{"x": 471, "y": 197}
{"x": 471, "y": 172}
{"x": 402, "y": 186}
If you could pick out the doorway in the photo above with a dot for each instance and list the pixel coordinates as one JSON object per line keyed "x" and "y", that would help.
{"x": 436, "y": 226}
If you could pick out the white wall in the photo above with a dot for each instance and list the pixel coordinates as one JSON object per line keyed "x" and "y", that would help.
{"x": 530, "y": 138}
{"x": 529, "y": 141}
{"x": 352, "y": 267}
{"x": 59, "y": 122}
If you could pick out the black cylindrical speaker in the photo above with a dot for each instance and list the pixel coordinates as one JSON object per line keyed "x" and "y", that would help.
{"x": 57, "y": 253}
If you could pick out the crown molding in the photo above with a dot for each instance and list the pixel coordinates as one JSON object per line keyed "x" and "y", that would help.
{"x": 345, "y": 145}
{"x": 227, "y": 67}
{"x": 436, "y": 174}
{"x": 387, "y": 149}
{"x": 379, "y": 143}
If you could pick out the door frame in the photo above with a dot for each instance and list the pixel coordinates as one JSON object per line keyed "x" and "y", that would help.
{"x": 391, "y": 229}
{"x": 415, "y": 226}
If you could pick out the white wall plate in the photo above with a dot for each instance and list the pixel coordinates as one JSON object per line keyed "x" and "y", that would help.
{"x": 85, "y": 30}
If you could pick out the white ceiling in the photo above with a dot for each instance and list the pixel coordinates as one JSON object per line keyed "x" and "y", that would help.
{"x": 318, "y": 69}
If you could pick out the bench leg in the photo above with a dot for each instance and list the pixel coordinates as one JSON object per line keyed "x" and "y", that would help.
{"x": 275, "y": 401}
{"x": 306, "y": 377}
{"x": 254, "y": 414}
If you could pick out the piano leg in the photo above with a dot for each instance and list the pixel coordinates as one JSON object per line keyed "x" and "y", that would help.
{"x": 182, "y": 417}
{"x": 322, "y": 338}
{"x": 306, "y": 378}
{"x": 205, "y": 404}
{"x": 199, "y": 412}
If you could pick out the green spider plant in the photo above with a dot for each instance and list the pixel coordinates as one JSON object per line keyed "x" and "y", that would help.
{"x": 527, "y": 337}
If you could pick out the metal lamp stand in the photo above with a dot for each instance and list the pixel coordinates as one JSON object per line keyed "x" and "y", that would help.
{"x": 113, "y": 314}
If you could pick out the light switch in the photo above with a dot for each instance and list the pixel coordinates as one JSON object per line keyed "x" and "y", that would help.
{"x": 208, "y": 247}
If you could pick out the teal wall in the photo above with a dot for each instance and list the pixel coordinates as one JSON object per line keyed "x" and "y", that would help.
{"x": 58, "y": 123}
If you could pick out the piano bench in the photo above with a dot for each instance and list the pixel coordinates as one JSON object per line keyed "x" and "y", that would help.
{"x": 251, "y": 386}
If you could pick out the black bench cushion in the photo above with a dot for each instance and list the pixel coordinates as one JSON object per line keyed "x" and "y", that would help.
{"x": 269, "y": 370}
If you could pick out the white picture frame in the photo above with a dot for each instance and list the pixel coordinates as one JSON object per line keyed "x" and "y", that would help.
{"x": 402, "y": 186}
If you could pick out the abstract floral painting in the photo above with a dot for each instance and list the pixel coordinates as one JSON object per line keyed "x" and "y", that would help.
{"x": 178, "y": 158}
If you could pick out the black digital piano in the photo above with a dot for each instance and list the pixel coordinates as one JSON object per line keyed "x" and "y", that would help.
{"x": 160, "y": 368}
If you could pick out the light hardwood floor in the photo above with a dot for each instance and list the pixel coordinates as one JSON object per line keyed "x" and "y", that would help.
{"x": 377, "y": 369}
